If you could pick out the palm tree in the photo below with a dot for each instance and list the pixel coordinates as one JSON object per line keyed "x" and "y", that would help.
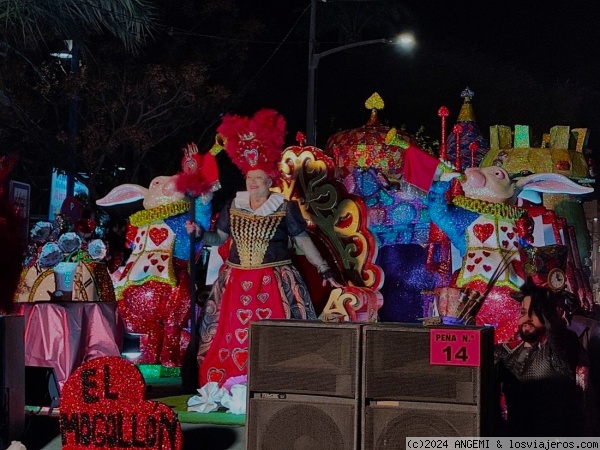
{"x": 27, "y": 25}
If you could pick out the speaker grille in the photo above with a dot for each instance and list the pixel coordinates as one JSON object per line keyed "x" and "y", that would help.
{"x": 304, "y": 358}
{"x": 388, "y": 427}
{"x": 301, "y": 425}
{"x": 397, "y": 368}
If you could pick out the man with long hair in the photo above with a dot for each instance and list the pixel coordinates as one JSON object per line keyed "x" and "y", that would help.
{"x": 538, "y": 372}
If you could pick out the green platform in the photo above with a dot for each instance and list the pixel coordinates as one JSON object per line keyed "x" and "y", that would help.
{"x": 179, "y": 405}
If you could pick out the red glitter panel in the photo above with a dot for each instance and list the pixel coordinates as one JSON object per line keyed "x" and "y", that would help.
{"x": 102, "y": 406}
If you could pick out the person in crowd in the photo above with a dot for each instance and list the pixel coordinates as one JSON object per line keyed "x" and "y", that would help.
{"x": 538, "y": 373}
{"x": 258, "y": 280}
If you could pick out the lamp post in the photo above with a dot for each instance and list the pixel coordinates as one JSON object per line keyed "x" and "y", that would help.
{"x": 73, "y": 56}
{"x": 313, "y": 63}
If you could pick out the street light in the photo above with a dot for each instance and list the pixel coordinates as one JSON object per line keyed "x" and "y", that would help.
{"x": 405, "y": 40}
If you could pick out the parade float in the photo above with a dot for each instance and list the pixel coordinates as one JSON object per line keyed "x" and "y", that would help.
{"x": 430, "y": 263}
{"x": 65, "y": 262}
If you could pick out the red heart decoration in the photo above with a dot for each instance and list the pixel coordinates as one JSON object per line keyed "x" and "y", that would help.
{"x": 244, "y": 315}
{"x": 223, "y": 354}
{"x": 137, "y": 239}
{"x": 483, "y": 231}
{"x": 263, "y": 297}
{"x": 153, "y": 261}
{"x": 246, "y": 285}
{"x": 487, "y": 268}
{"x": 240, "y": 357}
{"x": 266, "y": 279}
{"x": 245, "y": 299}
{"x": 216, "y": 375}
{"x": 107, "y": 387}
{"x": 504, "y": 228}
{"x": 150, "y": 255}
{"x": 164, "y": 257}
{"x": 478, "y": 260}
{"x": 241, "y": 335}
{"x": 504, "y": 243}
{"x": 263, "y": 313}
{"x": 146, "y": 268}
{"x": 510, "y": 235}
{"x": 471, "y": 267}
{"x": 486, "y": 253}
{"x": 471, "y": 254}
{"x": 158, "y": 235}
{"x": 160, "y": 268}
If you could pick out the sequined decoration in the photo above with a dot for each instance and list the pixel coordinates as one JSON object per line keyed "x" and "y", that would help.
{"x": 159, "y": 213}
{"x": 252, "y": 235}
{"x": 102, "y": 406}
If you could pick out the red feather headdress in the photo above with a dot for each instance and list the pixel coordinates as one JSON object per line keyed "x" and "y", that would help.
{"x": 255, "y": 143}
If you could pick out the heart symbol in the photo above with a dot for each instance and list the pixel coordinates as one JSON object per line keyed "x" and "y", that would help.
{"x": 143, "y": 232}
{"x": 510, "y": 235}
{"x": 503, "y": 228}
{"x": 216, "y": 375}
{"x": 164, "y": 257}
{"x": 244, "y": 315}
{"x": 146, "y": 268}
{"x": 150, "y": 255}
{"x": 228, "y": 337}
{"x": 487, "y": 268}
{"x": 153, "y": 261}
{"x": 483, "y": 231}
{"x": 246, "y": 285}
{"x": 471, "y": 267}
{"x": 245, "y": 299}
{"x": 137, "y": 239}
{"x": 116, "y": 385}
{"x": 263, "y": 313}
{"x": 266, "y": 279}
{"x": 160, "y": 268}
{"x": 241, "y": 334}
{"x": 504, "y": 243}
{"x": 263, "y": 297}
{"x": 486, "y": 253}
{"x": 158, "y": 235}
{"x": 478, "y": 260}
{"x": 240, "y": 357}
{"x": 223, "y": 354}
{"x": 471, "y": 254}
{"x": 251, "y": 155}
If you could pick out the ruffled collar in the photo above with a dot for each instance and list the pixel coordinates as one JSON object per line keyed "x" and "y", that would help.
{"x": 273, "y": 203}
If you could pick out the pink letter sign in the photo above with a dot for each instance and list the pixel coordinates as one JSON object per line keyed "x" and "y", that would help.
{"x": 458, "y": 347}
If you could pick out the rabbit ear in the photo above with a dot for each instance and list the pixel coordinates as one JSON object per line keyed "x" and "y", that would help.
{"x": 552, "y": 183}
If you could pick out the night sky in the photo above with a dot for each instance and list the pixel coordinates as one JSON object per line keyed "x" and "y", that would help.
{"x": 515, "y": 56}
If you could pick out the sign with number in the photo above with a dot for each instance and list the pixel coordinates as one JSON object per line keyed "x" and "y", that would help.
{"x": 458, "y": 347}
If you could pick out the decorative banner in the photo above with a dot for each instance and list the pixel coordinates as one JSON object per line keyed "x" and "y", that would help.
{"x": 455, "y": 347}
{"x": 102, "y": 406}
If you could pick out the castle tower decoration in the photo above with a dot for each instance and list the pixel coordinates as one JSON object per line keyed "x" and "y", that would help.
{"x": 472, "y": 146}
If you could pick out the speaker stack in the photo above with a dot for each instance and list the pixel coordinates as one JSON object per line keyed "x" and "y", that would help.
{"x": 338, "y": 386}
{"x": 303, "y": 386}
{"x": 405, "y": 395}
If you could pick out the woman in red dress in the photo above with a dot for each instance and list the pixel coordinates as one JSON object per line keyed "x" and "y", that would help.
{"x": 258, "y": 280}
